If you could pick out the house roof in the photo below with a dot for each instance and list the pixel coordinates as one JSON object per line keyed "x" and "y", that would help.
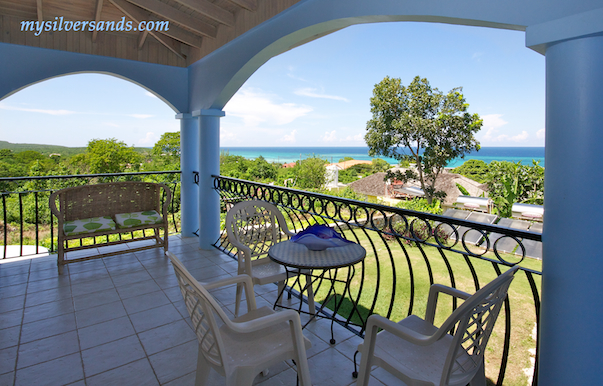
{"x": 374, "y": 185}
{"x": 196, "y": 27}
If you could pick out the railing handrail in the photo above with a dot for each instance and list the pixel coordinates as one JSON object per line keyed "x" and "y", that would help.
{"x": 406, "y": 212}
{"x": 24, "y": 178}
{"x": 395, "y": 278}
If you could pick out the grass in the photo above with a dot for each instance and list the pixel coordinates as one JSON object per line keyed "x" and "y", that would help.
{"x": 386, "y": 281}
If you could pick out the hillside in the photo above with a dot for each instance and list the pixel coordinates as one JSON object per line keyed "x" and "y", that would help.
{"x": 64, "y": 151}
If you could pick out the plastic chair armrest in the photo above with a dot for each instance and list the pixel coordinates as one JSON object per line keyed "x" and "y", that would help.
{"x": 287, "y": 231}
{"x": 267, "y": 321}
{"x": 242, "y": 248}
{"x": 245, "y": 279}
{"x": 239, "y": 245}
{"x": 432, "y": 301}
{"x": 377, "y": 321}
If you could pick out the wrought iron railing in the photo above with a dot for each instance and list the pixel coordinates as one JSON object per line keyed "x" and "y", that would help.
{"x": 26, "y": 218}
{"x": 408, "y": 251}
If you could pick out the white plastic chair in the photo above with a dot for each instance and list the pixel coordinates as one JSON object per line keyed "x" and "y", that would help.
{"x": 253, "y": 227}
{"x": 418, "y": 353}
{"x": 241, "y": 348}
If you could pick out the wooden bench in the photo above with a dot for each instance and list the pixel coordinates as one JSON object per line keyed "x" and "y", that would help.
{"x": 91, "y": 211}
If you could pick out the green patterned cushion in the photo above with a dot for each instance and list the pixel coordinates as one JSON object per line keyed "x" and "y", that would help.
{"x": 88, "y": 225}
{"x": 128, "y": 220}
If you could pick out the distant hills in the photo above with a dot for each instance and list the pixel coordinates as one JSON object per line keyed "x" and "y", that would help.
{"x": 64, "y": 151}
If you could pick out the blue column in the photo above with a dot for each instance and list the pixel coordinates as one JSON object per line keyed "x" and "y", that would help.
{"x": 571, "y": 344}
{"x": 209, "y": 164}
{"x": 189, "y": 162}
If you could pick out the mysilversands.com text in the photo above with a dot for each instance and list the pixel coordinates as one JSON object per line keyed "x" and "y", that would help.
{"x": 59, "y": 24}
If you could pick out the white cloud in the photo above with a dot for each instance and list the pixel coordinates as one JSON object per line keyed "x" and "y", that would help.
{"x": 540, "y": 134}
{"x": 491, "y": 136}
{"x": 312, "y": 93}
{"x": 41, "y": 111}
{"x": 289, "y": 138}
{"x": 111, "y": 124}
{"x": 350, "y": 140}
{"x": 493, "y": 120}
{"x": 329, "y": 136}
{"x": 520, "y": 137}
{"x": 354, "y": 138}
{"x": 255, "y": 107}
{"x": 140, "y": 116}
{"x": 292, "y": 76}
{"x": 226, "y": 135}
{"x": 150, "y": 139}
{"x": 491, "y": 123}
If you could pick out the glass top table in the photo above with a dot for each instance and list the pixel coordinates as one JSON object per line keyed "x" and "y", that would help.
{"x": 299, "y": 260}
{"x": 295, "y": 255}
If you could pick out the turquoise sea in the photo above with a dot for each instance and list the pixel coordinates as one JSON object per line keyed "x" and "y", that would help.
{"x": 525, "y": 155}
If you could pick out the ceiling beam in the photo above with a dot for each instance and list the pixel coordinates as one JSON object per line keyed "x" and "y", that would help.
{"x": 97, "y": 15}
{"x": 181, "y": 34}
{"x": 250, "y": 5}
{"x": 179, "y": 17}
{"x": 39, "y": 9}
{"x": 138, "y": 14}
{"x": 173, "y": 45}
{"x": 142, "y": 38}
{"x": 210, "y": 10}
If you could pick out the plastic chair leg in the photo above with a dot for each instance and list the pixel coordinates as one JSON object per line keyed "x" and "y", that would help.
{"x": 203, "y": 370}
{"x": 480, "y": 377}
{"x": 238, "y": 299}
{"x": 281, "y": 292}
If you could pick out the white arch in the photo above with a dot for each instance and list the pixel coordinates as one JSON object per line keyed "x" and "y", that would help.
{"x": 159, "y": 96}
{"x": 216, "y": 78}
{"x": 24, "y": 66}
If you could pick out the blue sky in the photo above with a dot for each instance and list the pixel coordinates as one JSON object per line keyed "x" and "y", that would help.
{"x": 314, "y": 95}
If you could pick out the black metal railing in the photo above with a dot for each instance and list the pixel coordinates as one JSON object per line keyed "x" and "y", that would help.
{"x": 26, "y": 218}
{"x": 407, "y": 252}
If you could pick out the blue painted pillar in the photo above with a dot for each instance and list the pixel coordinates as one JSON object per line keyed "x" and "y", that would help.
{"x": 209, "y": 164}
{"x": 571, "y": 341}
{"x": 189, "y": 162}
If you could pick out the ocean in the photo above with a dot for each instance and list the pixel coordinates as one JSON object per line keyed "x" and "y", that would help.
{"x": 525, "y": 155}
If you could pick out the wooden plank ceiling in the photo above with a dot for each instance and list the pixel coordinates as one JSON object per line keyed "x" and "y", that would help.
{"x": 196, "y": 27}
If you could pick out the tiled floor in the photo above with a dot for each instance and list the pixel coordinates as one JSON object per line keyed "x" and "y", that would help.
{"x": 121, "y": 321}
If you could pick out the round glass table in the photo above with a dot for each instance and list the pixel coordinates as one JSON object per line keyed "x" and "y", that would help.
{"x": 300, "y": 261}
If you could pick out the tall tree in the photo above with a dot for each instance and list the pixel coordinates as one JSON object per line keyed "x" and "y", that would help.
{"x": 262, "y": 170}
{"x": 433, "y": 126}
{"x": 166, "y": 152}
{"x": 311, "y": 173}
{"x": 111, "y": 156}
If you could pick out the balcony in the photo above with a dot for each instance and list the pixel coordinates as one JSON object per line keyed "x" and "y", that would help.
{"x": 121, "y": 319}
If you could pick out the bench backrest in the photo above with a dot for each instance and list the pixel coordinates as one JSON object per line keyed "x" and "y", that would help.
{"x": 109, "y": 199}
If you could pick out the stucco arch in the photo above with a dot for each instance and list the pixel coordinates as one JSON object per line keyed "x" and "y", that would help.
{"x": 25, "y": 66}
{"x": 217, "y": 77}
